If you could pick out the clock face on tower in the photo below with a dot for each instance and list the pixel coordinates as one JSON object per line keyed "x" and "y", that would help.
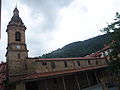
{"x": 18, "y": 46}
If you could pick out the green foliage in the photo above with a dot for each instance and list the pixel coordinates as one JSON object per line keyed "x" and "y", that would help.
{"x": 113, "y": 30}
{"x": 80, "y": 48}
{"x": 114, "y": 66}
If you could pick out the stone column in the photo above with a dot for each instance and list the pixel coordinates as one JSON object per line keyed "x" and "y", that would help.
{"x": 76, "y": 77}
{"x": 64, "y": 83}
{"x": 46, "y": 85}
{"x": 88, "y": 79}
{"x": 103, "y": 83}
{"x": 20, "y": 86}
{"x": 96, "y": 77}
{"x": 102, "y": 73}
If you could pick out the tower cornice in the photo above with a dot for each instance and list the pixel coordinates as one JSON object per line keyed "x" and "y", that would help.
{"x": 10, "y": 27}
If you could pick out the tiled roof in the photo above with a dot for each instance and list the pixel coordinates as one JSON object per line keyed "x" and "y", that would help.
{"x": 105, "y": 48}
{"x": 2, "y": 63}
{"x": 1, "y": 87}
{"x": 97, "y": 54}
{"x": 2, "y": 67}
{"x": 40, "y": 75}
{"x": 2, "y": 74}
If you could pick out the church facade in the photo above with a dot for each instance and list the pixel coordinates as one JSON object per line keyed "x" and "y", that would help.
{"x": 24, "y": 73}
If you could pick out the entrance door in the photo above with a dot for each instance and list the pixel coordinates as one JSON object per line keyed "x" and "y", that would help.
{"x": 32, "y": 86}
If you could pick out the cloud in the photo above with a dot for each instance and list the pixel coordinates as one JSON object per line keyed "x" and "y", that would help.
{"x": 42, "y": 23}
{"x": 48, "y": 8}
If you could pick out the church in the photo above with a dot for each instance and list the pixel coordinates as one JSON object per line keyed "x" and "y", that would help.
{"x": 25, "y": 73}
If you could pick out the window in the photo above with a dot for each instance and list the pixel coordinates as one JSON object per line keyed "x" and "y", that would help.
{"x": 44, "y": 63}
{"x": 78, "y": 63}
{"x": 26, "y": 67}
{"x": 17, "y": 36}
{"x": 96, "y": 62}
{"x": 18, "y": 55}
{"x": 53, "y": 65}
{"x": 65, "y": 63}
{"x": 89, "y": 62}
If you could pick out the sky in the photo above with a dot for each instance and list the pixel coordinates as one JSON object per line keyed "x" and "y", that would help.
{"x": 51, "y": 24}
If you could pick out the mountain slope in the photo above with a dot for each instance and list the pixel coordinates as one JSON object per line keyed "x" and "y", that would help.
{"x": 80, "y": 48}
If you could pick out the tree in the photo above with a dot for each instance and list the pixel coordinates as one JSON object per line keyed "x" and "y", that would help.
{"x": 114, "y": 30}
{"x": 114, "y": 64}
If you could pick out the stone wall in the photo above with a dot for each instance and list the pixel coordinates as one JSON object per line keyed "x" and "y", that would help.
{"x": 43, "y": 66}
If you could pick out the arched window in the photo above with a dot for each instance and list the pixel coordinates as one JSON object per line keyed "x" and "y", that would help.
{"x": 17, "y": 36}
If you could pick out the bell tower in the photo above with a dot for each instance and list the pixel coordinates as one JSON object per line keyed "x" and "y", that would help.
{"x": 16, "y": 49}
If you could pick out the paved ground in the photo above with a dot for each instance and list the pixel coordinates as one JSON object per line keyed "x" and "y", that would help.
{"x": 100, "y": 88}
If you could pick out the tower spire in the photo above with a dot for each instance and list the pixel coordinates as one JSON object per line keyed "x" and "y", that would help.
{"x": 16, "y": 5}
{"x": 16, "y": 20}
{"x": 16, "y": 11}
